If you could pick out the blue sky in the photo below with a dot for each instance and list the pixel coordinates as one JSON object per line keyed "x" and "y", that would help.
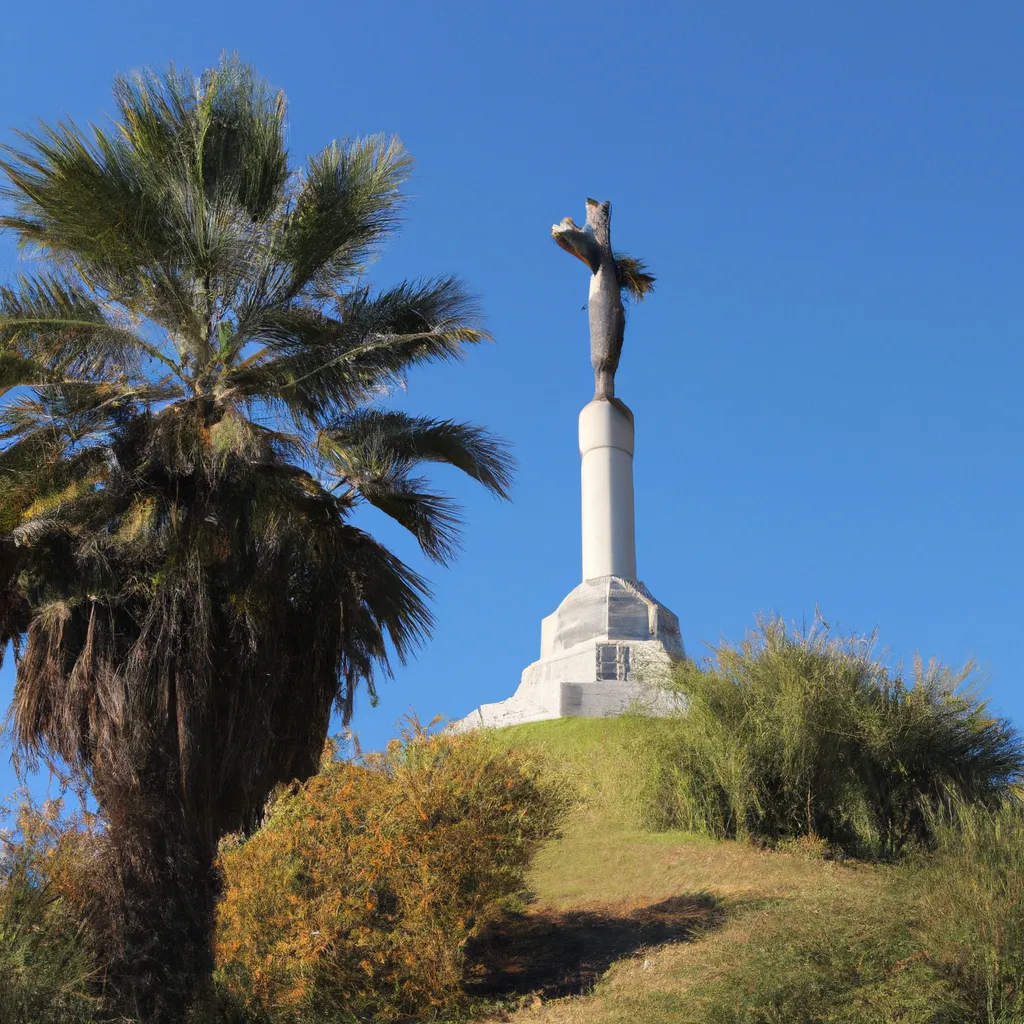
{"x": 827, "y": 381}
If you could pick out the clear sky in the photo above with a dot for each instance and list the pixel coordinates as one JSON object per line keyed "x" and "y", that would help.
{"x": 827, "y": 380}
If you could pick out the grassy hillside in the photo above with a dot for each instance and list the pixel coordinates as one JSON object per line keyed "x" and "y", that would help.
{"x": 663, "y": 927}
{"x": 392, "y": 890}
{"x": 614, "y": 766}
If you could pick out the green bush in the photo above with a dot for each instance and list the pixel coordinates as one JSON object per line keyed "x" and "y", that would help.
{"x": 972, "y": 909}
{"x": 357, "y": 897}
{"x": 790, "y": 734}
{"x": 47, "y": 965}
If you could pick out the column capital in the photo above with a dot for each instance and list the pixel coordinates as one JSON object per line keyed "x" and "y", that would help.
{"x": 606, "y": 423}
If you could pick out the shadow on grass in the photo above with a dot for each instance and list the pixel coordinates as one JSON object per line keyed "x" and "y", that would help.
{"x": 555, "y": 954}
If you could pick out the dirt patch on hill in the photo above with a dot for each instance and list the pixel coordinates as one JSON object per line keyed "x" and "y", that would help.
{"x": 561, "y": 953}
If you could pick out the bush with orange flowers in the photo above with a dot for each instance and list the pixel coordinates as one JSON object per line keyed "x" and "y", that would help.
{"x": 48, "y": 964}
{"x": 356, "y": 899}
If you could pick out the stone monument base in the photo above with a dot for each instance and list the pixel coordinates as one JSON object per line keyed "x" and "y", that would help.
{"x": 608, "y": 646}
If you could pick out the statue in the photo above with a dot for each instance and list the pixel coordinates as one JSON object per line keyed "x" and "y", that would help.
{"x": 612, "y": 274}
{"x": 609, "y": 643}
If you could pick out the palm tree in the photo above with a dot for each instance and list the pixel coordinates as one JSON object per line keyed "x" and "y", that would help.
{"x": 192, "y": 414}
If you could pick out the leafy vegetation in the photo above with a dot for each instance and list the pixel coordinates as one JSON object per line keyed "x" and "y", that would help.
{"x": 389, "y": 887}
{"x": 791, "y": 734}
{"x": 47, "y": 962}
{"x": 356, "y": 899}
{"x": 191, "y": 376}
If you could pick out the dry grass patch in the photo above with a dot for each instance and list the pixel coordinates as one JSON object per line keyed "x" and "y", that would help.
{"x": 592, "y": 866}
{"x": 623, "y": 923}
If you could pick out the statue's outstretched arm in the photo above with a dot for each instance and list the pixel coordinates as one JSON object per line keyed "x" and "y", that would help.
{"x": 592, "y": 245}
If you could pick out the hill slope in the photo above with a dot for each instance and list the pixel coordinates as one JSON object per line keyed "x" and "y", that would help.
{"x": 627, "y": 924}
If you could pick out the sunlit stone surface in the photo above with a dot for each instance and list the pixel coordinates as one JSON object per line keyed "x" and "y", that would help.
{"x": 609, "y": 645}
{"x": 606, "y": 648}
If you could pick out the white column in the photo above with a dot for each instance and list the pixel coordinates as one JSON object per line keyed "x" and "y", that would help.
{"x": 606, "y": 448}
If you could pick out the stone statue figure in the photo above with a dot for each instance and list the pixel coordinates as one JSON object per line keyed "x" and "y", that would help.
{"x": 611, "y": 274}
{"x": 609, "y": 644}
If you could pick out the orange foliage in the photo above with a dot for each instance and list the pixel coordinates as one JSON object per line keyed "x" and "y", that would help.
{"x": 56, "y": 848}
{"x": 358, "y": 895}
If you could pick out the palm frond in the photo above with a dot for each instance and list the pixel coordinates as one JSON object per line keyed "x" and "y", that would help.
{"x": 321, "y": 366}
{"x": 348, "y": 202}
{"x": 58, "y": 323}
{"x": 167, "y": 204}
{"x": 375, "y": 451}
{"x": 373, "y": 437}
{"x": 634, "y": 278}
{"x": 90, "y": 206}
{"x": 227, "y": 127}
{"x": 16, "y": 372}
{"x": 391, "y": 604}
{"x": 433, "y": 519}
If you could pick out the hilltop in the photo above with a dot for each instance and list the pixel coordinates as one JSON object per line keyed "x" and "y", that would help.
{"x": 625, "y": 924}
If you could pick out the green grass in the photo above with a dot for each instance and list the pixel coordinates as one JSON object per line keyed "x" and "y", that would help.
{"x": 616, "y": 767}
{"x": 628, "y": 920}
{"x": 781, "y": 936}
{"x": 608, "y": 863}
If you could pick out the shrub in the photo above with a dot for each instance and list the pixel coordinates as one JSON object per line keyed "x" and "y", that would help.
{"x": 794, "y": 734}
{"x": 47, "y": 964}
{"x": 972, "y": 909}
{"x": 356, "y": 898}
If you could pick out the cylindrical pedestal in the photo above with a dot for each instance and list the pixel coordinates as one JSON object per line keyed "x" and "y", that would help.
{"x": 606, "y": 448}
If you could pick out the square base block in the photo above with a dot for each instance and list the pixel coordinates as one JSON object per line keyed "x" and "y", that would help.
{"x": 607, "y": 647}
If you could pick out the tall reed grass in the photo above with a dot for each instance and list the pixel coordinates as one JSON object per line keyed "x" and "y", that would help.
{"x": 971, "y": 899}
{"x": 791, "y": 734}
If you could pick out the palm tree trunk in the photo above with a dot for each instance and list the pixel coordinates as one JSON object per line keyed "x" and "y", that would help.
{"x": 159, "y": 919}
